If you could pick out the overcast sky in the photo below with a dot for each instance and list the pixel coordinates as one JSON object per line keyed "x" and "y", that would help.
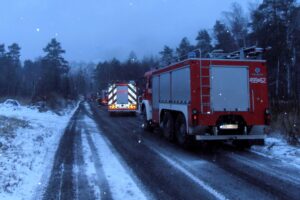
{"x": 93, "y": 30}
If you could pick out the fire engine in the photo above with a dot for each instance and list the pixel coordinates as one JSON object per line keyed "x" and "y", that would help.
{"x": 219, "y": 98}
{"x": 103, "y": 98}
{"x": 122, "y": 97}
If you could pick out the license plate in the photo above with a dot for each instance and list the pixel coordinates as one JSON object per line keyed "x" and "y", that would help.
{"x": 229, "y": 126}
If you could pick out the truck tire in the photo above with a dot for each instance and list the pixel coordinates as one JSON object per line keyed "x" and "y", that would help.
{"x": 145, "y": 123}
{"x": 182, "y": 137}
{"x": 167, "y": 126}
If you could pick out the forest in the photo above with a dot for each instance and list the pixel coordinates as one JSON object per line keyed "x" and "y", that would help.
{"x": 272, "y": 23}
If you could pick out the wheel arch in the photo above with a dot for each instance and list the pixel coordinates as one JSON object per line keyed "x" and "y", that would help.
{"x": 146, "y": 105}
{"x": 175, "y": 111}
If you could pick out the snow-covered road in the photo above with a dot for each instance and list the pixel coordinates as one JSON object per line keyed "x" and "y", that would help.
{"x": 168, "y": 172}
{"x": 103, "y": 157}
{"x": 86, "y": 166}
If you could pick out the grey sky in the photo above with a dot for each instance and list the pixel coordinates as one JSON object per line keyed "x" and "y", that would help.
{"x": 92, "y": 30}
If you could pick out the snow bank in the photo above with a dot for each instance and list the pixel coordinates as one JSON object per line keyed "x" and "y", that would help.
{"x": 277, "y": 147}
{"x": 28, "y": 140}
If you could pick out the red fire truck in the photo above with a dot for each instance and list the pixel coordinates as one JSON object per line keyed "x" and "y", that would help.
{"x": 224, "y": 97}
{"x": 122, "y": 97}
{"x": 103, "y": 98}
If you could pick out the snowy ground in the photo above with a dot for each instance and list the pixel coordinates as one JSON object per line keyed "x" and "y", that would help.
{"x": 97, "y": 163}
{"x": 121, "y": 183}
{"x": 28, "y": 141}
{"x": 276, "y": 147}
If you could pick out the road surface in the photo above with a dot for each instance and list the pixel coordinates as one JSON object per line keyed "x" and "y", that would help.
{"x": 103, "y": 157}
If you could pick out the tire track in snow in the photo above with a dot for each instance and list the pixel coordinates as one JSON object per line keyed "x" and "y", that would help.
{"x": 181, "y": 168}
{"x": 62, "y": 171}
{"x": 79, "y": 170}
{"x": 105, "y": 192}
{"x": 159, "y": 177}
{"x": 63, "y": 182}
{"x": 266, "y": 169}
{"x": 250, "y": 175}
{"x": 121, "y": 185}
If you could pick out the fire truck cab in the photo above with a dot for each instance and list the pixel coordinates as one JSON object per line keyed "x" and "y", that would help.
{"x": 209, "y": 99}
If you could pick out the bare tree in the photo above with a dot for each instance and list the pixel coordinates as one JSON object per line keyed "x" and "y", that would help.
{"x": 237, "y": 21}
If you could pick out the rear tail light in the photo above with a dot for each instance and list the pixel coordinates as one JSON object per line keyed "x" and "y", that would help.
{"x": 194, "y": 117}
{"x": 113, "y": 106}
{"x": 132, "y": 106}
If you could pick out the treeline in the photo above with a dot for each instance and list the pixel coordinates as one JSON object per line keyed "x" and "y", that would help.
{"x": 115, "y": 70}
{"x": 47, "y": 78}
{"x": 273, "y": 23}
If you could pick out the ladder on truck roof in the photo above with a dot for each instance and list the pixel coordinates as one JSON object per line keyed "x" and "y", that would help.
{"x": 204, "y": 88}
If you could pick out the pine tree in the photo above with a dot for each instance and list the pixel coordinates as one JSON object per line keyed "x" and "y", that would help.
{"x": 132, "y": 57}
{"x": 55, "y": 68}
{"x": 184, "y": 48}
{"x": 224, "y": 38}
{"x": 204, "y": 42}
{"x": 273, "y": 24}
{"x": 167, "y": 56}
{"x": 14, "y": 53}
{"x": 2, "y": 50}
{"x": 238, "y": 24}
{"x": 3, "y": 63}
{"x": 54, "y": 54}
{"x": 13, "y": 70}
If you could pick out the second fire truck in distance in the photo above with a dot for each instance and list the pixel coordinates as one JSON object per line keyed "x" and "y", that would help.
{"x": 224, "y": 97}
{"x": 103, "y": 98}
{"x": 122, "y": 97}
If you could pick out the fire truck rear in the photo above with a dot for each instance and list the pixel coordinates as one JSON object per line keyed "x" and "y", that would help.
{"x": 122, "y": 97}
{"x": 224, "y": 97}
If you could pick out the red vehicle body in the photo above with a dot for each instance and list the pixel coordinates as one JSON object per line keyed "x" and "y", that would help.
{"x": 208, "y": 99}
{"x": 103, "y": 98}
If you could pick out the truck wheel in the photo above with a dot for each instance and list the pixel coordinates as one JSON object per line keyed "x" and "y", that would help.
{"x": 145, "y": 123}
{"x": 167, "y": 126}
{"x": 181, "y": 134}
